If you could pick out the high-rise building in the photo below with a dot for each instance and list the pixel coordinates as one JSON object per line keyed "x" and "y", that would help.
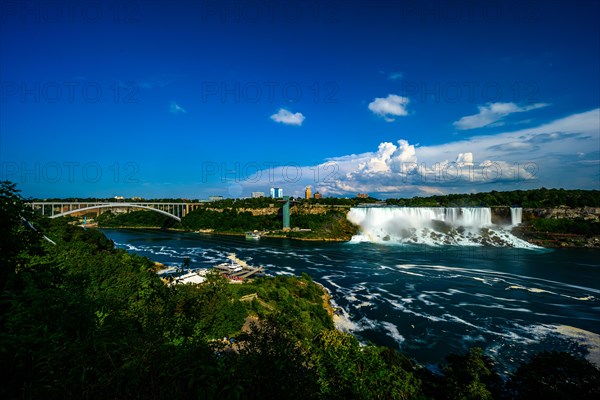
{"x": 307, "y": 193}
{"x": 276, "y": 193}
{"x": 258, "y": 194}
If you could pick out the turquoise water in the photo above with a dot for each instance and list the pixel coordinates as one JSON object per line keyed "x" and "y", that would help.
{"x": 425, "y": 301}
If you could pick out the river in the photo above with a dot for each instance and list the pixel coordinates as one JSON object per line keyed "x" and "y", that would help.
{"x": 426, "y": 301}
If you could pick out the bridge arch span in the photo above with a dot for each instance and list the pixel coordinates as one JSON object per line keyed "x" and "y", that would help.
{"x": 117, "y": 205}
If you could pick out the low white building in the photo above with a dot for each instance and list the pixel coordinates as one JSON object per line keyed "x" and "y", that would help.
{"x": 195, "y": 277}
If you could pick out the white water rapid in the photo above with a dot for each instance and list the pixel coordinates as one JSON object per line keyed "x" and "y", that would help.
{"x": 462, "y": 226}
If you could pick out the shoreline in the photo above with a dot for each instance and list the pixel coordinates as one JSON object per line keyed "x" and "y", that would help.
{"x": 545, "y": 240}
{"x": 239, "y": 234}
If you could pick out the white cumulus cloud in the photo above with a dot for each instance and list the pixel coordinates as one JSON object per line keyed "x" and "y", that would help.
{"x": 493, "y": 113}
{"x": 464, "y": 159}
{"x": 175, "y": 108}
{"x": 389, "y": 107}
{"x": 285, "y": 117}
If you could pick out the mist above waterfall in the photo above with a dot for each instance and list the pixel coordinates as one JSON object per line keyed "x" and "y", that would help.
{"x": 462, "y": 226}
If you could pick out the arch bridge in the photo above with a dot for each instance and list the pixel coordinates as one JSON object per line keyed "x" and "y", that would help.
{"x": 61, "y": 209}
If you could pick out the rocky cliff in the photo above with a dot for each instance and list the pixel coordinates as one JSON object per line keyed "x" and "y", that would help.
{"x": 561, "y": 227}
{"x": 586, "y": 213}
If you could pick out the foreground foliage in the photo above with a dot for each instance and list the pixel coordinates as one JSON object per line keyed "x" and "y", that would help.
{"x": 577, "y": 226}
{"x": 81, "y": 320}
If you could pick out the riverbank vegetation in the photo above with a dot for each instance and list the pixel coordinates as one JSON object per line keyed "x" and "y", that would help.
{"x": 331, "y": 224}
{"x": 136, "y": 219}
{"x": 80, "y": 319}
{"x": 230, "y": 220}
{"x": 560, "y": 232}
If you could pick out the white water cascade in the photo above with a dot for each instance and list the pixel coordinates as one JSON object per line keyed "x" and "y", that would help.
{"x": 462, "y": 226}
{"x": 516, "y": 216}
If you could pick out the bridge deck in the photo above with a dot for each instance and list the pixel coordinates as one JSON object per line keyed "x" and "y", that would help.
{"x": 60, "y": 209}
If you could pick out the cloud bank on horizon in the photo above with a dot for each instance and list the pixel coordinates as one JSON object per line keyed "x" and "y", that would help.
{"x": 561, "y": 153}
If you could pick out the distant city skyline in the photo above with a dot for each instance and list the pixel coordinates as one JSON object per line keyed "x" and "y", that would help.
{"x": 391, "y": 98}
{"x": 276, "y": 193}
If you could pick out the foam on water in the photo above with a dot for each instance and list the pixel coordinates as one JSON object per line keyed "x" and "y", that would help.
{"x": 342, "y": 320}
{"x": 532, "y": 290}
{"x": 428, "y": 300}
{"x": 589, "y": 341}
{"x": 393, "y": 331}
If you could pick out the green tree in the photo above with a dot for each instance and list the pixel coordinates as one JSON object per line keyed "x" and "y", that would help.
{"x": 556, "y": 375}
{"x": 16, "y": 232}
{"x": 348, "y": 370}
{"x": 470, "y": 376}
{"x": 271, "y": 364}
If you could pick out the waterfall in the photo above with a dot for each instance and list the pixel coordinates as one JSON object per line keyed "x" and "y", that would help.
{"x": 516, "y": 215}
{"x": 461, "y": 226}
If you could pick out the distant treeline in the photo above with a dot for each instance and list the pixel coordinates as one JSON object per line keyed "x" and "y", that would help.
{"x": 229, "y": 220}
{"x": 535, "y": 198}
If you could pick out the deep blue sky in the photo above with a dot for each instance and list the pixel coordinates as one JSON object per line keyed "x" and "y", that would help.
{"x": 189, "y": 99}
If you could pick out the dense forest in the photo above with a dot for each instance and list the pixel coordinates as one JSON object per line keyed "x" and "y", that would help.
{"x": 535, "y": 198}
{"x": 230, "y": 220}
{"x": 80, "y": 319}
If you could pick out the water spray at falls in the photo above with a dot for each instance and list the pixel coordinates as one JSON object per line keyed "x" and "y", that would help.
{"x": 462, "y": 226}
{"x": 516, "y": 216}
